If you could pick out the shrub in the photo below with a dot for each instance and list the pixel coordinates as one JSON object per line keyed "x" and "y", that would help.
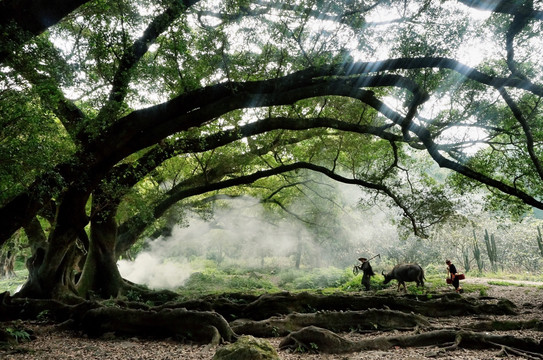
{"x": 248, "y": 283}
{"x": 434, "y": 269}
{"x": 200, "y": 281}
{"x": 18, "y": 334}
{"x": 320, "y": 278}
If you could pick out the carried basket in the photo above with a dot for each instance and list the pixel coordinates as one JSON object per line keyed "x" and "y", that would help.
{"x": 459, "y": 276}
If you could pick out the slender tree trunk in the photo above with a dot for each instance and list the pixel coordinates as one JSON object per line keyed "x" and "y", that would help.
{"x": 38, "y": 244}
{"x": 8, "y": 254}
{"x": 299, "y": 254}
{"x": 7, "y": 263}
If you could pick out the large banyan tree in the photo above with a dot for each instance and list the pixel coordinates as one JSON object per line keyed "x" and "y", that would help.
{"x": 99, "y": 98}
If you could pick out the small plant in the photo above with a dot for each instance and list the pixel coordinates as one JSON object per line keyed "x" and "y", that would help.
{"x": 43, "y": 316}
{"x": 18, "y": 334}
{"x": 111, "y": 302}
{"x": 414, "y": 290}
{"x": 132, "y": 295}
{"x": 490, "y": 243}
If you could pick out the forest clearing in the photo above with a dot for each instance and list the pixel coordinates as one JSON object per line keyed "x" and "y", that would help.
{"x": 194, "y": 178}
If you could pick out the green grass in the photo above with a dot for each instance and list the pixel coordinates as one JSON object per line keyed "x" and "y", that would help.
{"x": 504, "y": 283}
{"x": 480, "y": 289}
{"x": 507, "y": 276}
{"x": 214, "y": 279}
{"x": 324, "y": 281}
{"x": 13, "y": 283}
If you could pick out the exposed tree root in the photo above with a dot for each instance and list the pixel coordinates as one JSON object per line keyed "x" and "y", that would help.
{"x": 96, "y": 319}
{"x": 368, "y": 320}
{"x": 22, "y": 308}
{"x": 506, "y": 351}
{"x": 144, "y": 295}
{"x": 269, "y": 305}
{"x": 507, "y": 325}
{"x": 195, "y": 326}
{"x": 317, "y": 339}
{"x": 333, "y": 312}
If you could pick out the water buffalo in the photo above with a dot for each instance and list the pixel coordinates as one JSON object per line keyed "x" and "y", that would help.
{"x": 405, "y": 272}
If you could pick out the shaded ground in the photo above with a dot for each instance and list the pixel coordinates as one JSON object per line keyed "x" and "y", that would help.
{"x": 52, "y": 343}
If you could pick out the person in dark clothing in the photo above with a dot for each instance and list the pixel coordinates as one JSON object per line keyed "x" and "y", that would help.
{"x": 453, "y": 274}
{"x": 367, "y": 272}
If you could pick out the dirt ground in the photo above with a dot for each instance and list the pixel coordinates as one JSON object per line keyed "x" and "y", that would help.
{"x": 50, "y": 343}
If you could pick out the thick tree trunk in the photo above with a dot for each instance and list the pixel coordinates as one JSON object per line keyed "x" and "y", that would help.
{"x": 51, "y": 269}
{"x": 35, "y": 234}
{"x": 38, "y": 243}
{"x": 100, "y": 274}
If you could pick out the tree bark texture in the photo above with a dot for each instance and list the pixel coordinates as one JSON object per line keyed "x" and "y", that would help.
{"x": 363, "y": 320}
{"x": 302, "y": 332}
{"x": 100, "y": 275}
{"x": 313, "y": 338}
{"x": 269, "y": 305}
{"x": 197, "y": 326}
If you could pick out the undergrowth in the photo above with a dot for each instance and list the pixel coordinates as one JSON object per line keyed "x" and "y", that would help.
{"x": 214, "y": 279}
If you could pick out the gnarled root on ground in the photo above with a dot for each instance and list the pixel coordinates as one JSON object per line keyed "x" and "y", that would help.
{"x": 313, "y": 338}
{"x": 366, "y": 320}
{"x": 195, "y": 326}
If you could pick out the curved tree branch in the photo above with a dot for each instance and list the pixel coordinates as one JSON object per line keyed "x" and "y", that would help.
{"x": 48, "y": 88}
{"x": 137, "y": 223}
{"x": 148, "y": 126}
{"x": 527, "y": 131}
{"x": 133, "y": 55}
{"x": 20, "y": 20}
{"x": 511, "y": 7}
{"x": 518, "y": 23}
